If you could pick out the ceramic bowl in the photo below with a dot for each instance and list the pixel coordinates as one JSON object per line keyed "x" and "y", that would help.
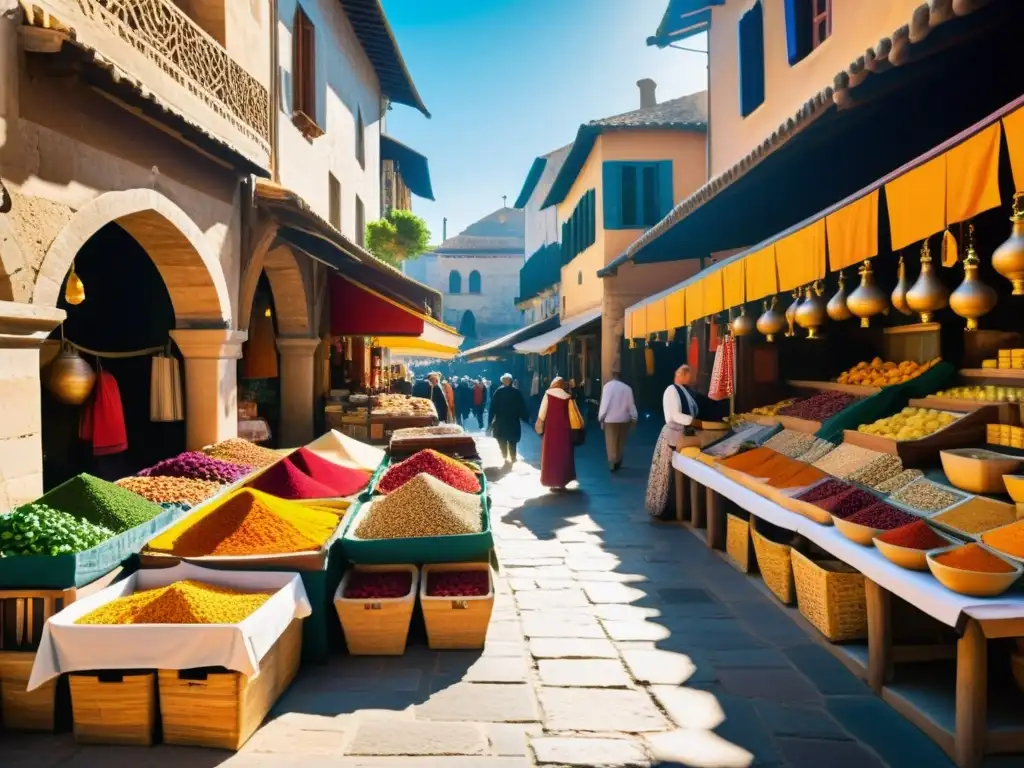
{"x": 908, "y": 557}
{"x": 1015, "y": 487}
{"x": 978, "y": 471}
{"x": 861, "y": 534}
{"x": 973, "y": 583}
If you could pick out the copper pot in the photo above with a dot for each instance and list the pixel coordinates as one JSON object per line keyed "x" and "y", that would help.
{"x": 70, "y": 377}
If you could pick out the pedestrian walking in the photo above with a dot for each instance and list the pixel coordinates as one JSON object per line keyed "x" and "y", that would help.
{"x": 463, "y": 399}
{"x": 559, "y": 418}
{"x": 479, "y": 401}
{"x": 617, "y": 416}
{"x": 507, "y": 412}
{"x": 449, "y": 397}
{"x": 437, "y": 397}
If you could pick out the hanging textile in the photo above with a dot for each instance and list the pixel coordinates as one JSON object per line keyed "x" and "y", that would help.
{"x": 713, "y": 292}
{"x": 800, "y": 257}
{"x": 722, "y": 373}
{"x": 972, "y": 175}
{"x": 853, "y": 232}
{"x": 165, "y": 398}
{"x": 102, "y": 422}
{"x": 734, "y": 287}
{"x": 656, "y": 322}
{"x": 760, "y": 274}
{"x": 1013, "y": 129}
{"x": 917, "y": 203}
{"x": 259, "y": 352}
{"x": 675, "y": 309}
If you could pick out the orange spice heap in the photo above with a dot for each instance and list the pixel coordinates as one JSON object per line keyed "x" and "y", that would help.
{"x": 972, "y": 557}
{"x": 743, "y": 462}
{"x": 799, "y": 475}
{"x": 184, "y": 602}
{"x": 1009, "y": 539}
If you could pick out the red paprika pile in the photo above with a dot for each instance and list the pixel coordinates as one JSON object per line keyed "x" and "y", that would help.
{"x": 916, "y": 535}
{"x": 881, "y": 516}
{"x": 445, "y": 469}
{"x": 824, "y": 490}
{"x": 287, "y": 481}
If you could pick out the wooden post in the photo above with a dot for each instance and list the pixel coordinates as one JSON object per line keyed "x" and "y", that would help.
{"x": 879, "y": 607}
{"x": 696, "y": 504}
{"x": 715, "y": 512}
{"x": 680, "y": 479}
{"x": 971, "y": 696}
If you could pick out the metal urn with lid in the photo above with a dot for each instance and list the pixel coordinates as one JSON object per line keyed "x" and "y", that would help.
{"x": 927, "y": 295}
{"x": 743, "y": 325}
{"x": 868, "y": 300}
{"x": 899, "y": 293}
{"x": 771, "y": 322}
{"x": 973, "y": 299}
{"x": 791, "y": 315}
{"x": 1008, "y": 258}
{"x": 70, "y": 377}
{"x": 836, "y": 307}
{"x": 811, "y": 314}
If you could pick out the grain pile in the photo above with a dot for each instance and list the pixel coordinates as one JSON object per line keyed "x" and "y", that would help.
{"x": 89, "y": 498}
{"x": 978, "y": 515}
{"x": 424, "y": 506}
{"x": 791, "y": 443}
{"x": 177, "y": 490}
{"x": 903, "y": 479}
{"x": 845, "y": 460}
{"x": 927, "y": 496}
{"x": 184, "y": 602}
{"x": 885, "y": 467}
{"x": 239, "y": 451}
{"x": 409, "y": 433}
{"x": 818, "y": 449}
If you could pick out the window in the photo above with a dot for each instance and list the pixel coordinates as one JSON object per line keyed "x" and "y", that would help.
{"x": 751, "y": 64}
{"x": 360, "y": 139}
{"x": 808, "y": 25}
{"x": 334, "y": 201}
{"x": 454, "y": 282}
{"x": 580, "y": 231}
{"x": 636, "y": 195}
{"x": 360, "y": 222}
{"x": 474, "y": 282}
{"x": 304, "y": 67}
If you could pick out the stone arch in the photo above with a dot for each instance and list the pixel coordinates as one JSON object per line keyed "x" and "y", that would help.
{"x": 188, "y": 265}
{"x": 454, "y": 282}
{"x": 289, "y": 284}
{"x": 467, "y": 325}
{"x": 12, "y": 262}
{"x": 475, "y": 283}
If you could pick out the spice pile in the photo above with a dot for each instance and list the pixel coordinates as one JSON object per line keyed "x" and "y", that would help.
{"x": 409, "y": 433}
{"x": 424, "y": 506}
{"x": 385, "y": 585}
{"x": 915, "y": 535}
{"x": 818, "y": 449}
{"x": 458, "y": 583}
{"x": 287, "y": 481}
{"x": 926, "y": 496}
{"x": 1008, "y": 540}
{"x": 452, "y": 472}
{"x": 167, "y": 490}
{"x": 184, "y": 602}
{"x": 196, "y": 465}
{"x": 885, "y": 467}
{"x": 748, "y": 460}
{"x": 847, "y": 504}
{"x": 239, "y": 451}
{"x": 790, "y": 443}
{"x": 248, "y": 522}
{"x": 820, "y": 406}
{"x": 845, "y": 460}
{"x": 36, "y": 529}
{"x": 344, "y": 481}
{"x": 978, "y": 515}
{"x": 881, "y": 516}
{"x": 89, "y": 498}
{"x": 973, "y": 557}
{"x": 825, "y": 490}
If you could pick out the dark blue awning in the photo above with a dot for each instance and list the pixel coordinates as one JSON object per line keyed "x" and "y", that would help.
{"x": 683, "y": 19}
{"x": 410, "y": 163}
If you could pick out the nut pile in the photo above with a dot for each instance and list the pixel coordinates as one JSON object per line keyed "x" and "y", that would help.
{"x": 927, "y": 496}
{"x": 883, "y": 468}
{"x": 819, "y": 448}
{"x": 239, "y": 451}
{"x": 179, "y": 490}
{"x": 845, "y": 460}
{"x": 424, "y": 506}
{"x": 902, "y": 480}
{"x": 790, "y": 443}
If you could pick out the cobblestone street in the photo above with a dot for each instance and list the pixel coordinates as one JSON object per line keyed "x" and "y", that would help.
{"x": 614, "y": 642}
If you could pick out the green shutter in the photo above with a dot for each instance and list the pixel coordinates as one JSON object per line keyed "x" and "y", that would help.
{"x": 666, "y": 196}
{"x": 611, "y": 181}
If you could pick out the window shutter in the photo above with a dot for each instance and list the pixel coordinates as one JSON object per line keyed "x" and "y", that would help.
{"x": 798, "y": 30}
{"x": 665, "y": 193}
{"x": 611, "y": 181}
{"x": 751, "y": 59}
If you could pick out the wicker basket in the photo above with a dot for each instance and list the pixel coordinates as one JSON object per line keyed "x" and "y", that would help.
{"x": 737, "y": 542}
{"x": 378, "y": 627}
{"x": 456, "y": 623}
{"x": 831, "y": 596}
{"x": 114, "y": 707}
{"x": 775, "y": 565}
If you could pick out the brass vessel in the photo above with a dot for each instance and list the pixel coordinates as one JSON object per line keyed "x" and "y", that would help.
{"x": 771, "y": 322}
{"x": 1008, "y": 258}
{"x": 743, "y": 325}
{"x": 811, "y": 314}
{"x": 74, "y": 291}
{"x": 791, "y": 315}
{"x": 927, "y": 295}
{"x": 899, "y": 293}
{"x": 836, "y": 307}
{"x": 973, "y": 299}
{"x": 868, "y": 300}
{"x": 70, "y": 378}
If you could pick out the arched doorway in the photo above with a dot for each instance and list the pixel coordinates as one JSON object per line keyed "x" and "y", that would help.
{"x": 467, "y": 324}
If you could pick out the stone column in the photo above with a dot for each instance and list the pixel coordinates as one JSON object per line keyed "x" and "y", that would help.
{"x": 211, "y": 383}
{"x": 23, "y": 328}
{"x": 296, "y": 371}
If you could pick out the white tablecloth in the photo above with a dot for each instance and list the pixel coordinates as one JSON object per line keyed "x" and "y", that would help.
{"x": 919, "y": 588}
{"x": 69, "y": 647}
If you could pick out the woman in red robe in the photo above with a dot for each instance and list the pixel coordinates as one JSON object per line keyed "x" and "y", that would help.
{"x": 557, "y": 463}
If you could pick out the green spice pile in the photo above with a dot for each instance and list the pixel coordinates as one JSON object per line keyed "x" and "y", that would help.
{"x": 36, "y": 529}
{"x": 89, "y": 498}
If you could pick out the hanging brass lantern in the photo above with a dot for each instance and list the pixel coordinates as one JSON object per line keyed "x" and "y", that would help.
{"x": 927, "y": 295}
{"x": 1008, "y": 258}
{"x": 836, "y": 307}
{"x": 772, "y": 322}
{"x": 973, "y": 298}
{"x": 743, "y": 325}
{"x": 74, "y": 291}
{"x": 811, "y": 314}
{"x": 791, "y": 315}
{"x": 899, "y": 293}
{"x": 71, "y": 378}
{"x": 868, "y": 300}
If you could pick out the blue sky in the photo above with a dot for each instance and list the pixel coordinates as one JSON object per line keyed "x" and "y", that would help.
{"x": 507, "y": 80}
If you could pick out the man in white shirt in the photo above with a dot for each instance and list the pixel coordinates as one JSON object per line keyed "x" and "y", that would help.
{"x": 679, "y": 404}
{"x": 617, "y": 415}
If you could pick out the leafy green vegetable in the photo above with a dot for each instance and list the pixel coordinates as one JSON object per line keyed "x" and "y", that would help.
{"x": 36, "y": 529}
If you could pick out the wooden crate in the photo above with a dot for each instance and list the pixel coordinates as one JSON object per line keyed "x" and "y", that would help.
{"x": 456, "y": 623}
{"x": 25, "y": 710}
{"x": 114, "y": 707}
{"x": 377, "y": 627}
{"x": 221, "y": 709}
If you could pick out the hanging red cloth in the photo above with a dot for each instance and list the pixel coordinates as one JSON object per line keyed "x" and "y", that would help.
{"x": 102, "y": 421}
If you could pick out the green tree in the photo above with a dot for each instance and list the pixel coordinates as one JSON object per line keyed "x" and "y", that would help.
{"x": 398, "y": 237}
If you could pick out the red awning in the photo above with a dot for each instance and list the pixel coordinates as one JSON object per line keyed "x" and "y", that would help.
{"x": 360, "y": 311}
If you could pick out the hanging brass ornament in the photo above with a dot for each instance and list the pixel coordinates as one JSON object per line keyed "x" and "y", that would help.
{"x": 771, "y": 322}
{"x": 927, "y": 295}
{"x": 70, "y": 378}
{"x": 811, "y": 314}
{"x": 899, "y": 293}
{"x": 836, "y": 307}
{"x": 1008, "y": 258}
{"x": 743, "y": 325}
{"x": 868, "y": 300}
{"x": 973, "y": 299}
{"x": 74, "y": 291}
{"x": 791, "y": 315}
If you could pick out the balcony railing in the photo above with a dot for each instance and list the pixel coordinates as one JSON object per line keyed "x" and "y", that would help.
{"x": 160, "y": 31}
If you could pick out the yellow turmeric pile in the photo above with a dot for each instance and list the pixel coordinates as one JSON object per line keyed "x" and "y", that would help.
{"x": 184, "y": 602}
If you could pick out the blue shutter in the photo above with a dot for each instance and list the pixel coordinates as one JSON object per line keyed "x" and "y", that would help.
{"x": 751, "y": 59}
{"x": 794, "y": 49}
{"x": 667, "y": 198}
{"x": 611, "y": 185}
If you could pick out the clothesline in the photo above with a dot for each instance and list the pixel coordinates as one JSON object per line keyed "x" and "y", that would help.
{"x": 116, "y": 355}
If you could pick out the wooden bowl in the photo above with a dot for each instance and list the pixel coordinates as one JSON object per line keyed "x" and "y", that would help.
{"x": 861, "y": 534}
{"x": 978, "y": 471}
{"x": 1015, "y": 487}
{"x": 908, "y": 557}
{"x": 1017, "y": 663}
{"x": 973, "y": 583}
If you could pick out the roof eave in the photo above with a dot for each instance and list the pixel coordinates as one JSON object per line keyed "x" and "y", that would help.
{"x": 530, "y": 184}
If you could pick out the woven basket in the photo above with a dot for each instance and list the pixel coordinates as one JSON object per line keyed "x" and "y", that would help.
{"x": 775, "y": 565}
{"x": 830, "y": 595}
{"x": 737, "y": 542}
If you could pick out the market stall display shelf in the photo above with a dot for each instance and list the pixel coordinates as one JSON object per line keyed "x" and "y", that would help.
{"x": 376, "y": 626}
{"x": 222, "y": 709}
{"x": 978, "y": 471}
{"x": 456, "y": 623}
{"x": 114, "y": 707}
{"x": 973, "y": 583}
{"x": 1009, "y": 413}
{"x": 21, "y": 709}
{"x": 737, "y": 542}
{"x": 830, "y": 595}
{"x": 1005, "y": 376}
{"x": 775, "y": 564}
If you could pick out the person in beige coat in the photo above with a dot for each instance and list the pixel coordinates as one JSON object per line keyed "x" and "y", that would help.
{"x": 617, "y": 416}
